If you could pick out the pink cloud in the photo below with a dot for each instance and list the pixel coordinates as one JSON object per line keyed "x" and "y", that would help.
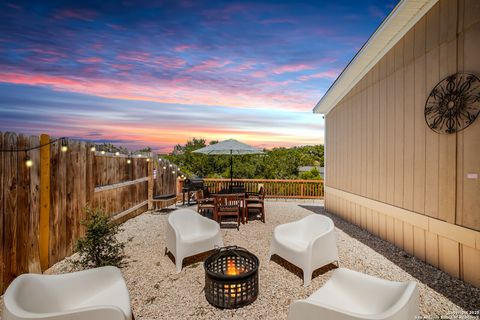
{"x": 376, "y": 12}
{"x": 242, "y": 67}
{"x": 183, "y": 47}
{"x": 123, "y": 67}
{"x": 209, "y": 65}
{"x": 259, "y": 74}
{"x": 291, "y": 68}
{"x": 169, "y": 62}
{"x": 147, "y": 58}
{"x": 13, "y": 6}
{"x": 136, "y": 56}
{"x": 267, "y": 95}
{"x": 91, "y": 60}
{"x": 47, "y": 52}
{"x": 329, "y": 74}
{"x": 116, "y": 26}
{"x": 80, "y": 14}
{"x": 277, "y": 20}
{"x": 97, "y": 46}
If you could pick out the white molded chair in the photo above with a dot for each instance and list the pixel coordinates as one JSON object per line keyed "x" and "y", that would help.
{"x": 95, "y": 294}
{"x": 352, "y": 295}
{"x": 189, "y": 233}
{"x": 308, "y": 243}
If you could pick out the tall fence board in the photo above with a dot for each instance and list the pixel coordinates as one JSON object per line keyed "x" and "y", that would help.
{"x": 19, "y": 203}
{"x": 165, "y": 182}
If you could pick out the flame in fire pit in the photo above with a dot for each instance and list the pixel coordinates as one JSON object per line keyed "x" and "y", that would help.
{"x": 232, "y": 269}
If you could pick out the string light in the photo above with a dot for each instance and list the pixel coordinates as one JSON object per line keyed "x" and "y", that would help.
{"x": 31, "y": 148}
{"x": 103, "y": 152}
{"x": 170, "y": 165}
{"x": 164, "y": 167}
{"x": 117, "y": 153}
{"x": 28, "y": 161}
{"x": 129, "y": 160}
{"x": 92, "y": 149}
{"x": 139, "y": 155}
{"x": 64, "y": 145}
{"x": 148, "y": 159}
{"x": 173, "y": 172}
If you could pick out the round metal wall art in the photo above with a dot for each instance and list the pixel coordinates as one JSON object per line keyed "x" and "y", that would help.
{"x": 453, "y": 104}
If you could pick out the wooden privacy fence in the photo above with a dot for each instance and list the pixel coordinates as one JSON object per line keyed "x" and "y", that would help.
{"x": 42, "y": 205}
{"x": 274, "y": 188}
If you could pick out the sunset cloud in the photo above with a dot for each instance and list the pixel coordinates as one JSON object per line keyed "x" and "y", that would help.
{"x": 291, "y": 68}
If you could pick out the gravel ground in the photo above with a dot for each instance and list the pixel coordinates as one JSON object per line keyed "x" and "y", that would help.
{"x": 158, "y": 292}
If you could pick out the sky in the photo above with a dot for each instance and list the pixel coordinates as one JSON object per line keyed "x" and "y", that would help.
{"x": 157, "y": 73}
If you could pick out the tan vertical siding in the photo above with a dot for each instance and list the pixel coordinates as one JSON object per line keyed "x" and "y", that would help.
{"x": 380, "y": 149}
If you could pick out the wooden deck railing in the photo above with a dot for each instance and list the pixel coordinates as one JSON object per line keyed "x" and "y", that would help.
{"x": 296, "y": 189}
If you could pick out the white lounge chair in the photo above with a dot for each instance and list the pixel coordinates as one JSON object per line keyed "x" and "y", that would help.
{"x": 189, "y": 233}
{"x": 308, "y": 243}
{"x": 352, "y": 295}
{"x": 95, "y": 294}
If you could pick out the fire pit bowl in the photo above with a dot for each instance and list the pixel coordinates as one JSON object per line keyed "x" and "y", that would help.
{"x": 231, "y": 278}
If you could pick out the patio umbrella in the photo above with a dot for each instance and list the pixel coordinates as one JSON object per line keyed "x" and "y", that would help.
{"x": 231, "y": 147}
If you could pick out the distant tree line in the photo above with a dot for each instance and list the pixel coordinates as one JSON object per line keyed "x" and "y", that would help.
{"x": 277, "y": 163}
{"x": 108, "y": 147}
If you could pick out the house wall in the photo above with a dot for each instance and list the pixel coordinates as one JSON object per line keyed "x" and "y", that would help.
{"x": 387, "y": 172}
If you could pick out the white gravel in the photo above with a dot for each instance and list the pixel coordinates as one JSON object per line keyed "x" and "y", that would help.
{"x": 158, "y": 292}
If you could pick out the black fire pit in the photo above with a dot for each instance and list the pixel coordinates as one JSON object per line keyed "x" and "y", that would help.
{"x": 231, "y": 278}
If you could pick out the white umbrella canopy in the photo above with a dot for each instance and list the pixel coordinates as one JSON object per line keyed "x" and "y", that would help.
{"x": 231, "y": 147}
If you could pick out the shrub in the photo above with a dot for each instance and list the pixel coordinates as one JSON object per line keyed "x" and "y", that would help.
{"x": 313, "y": 174}
{"x": 99, "y": 247}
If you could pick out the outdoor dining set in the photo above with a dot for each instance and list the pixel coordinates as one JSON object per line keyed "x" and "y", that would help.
{"x": 233, "y": 203}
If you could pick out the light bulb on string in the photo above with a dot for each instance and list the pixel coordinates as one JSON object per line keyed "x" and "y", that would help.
{"x": 64, "y": 145}
{"x": 173, "y": 172}
{"x": 129, "y": 161}
{"x": 28, "y": 161}
{"x": 93, "y": 149}
{"x": 148, "y": 159}
{"x": 164, "y": 168}
{"x": 103, "y": 152}
{"x": 117, "y": 153}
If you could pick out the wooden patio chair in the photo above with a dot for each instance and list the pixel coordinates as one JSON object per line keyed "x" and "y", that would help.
{"x": 205, "y": 202}
{"x": 255, "y": 202}
{"x": 228, "y": 205}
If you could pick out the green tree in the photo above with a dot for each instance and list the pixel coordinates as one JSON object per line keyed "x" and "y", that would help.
{"x": 108, "y": 147}
{"x": 145, "y": 150}
{"x": 99, "y": 247}
{"x": 278, "y": 163}
{"x": 313, "y": 174}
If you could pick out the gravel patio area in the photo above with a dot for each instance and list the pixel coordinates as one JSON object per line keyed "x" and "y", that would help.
{"x": 158, "y": 292}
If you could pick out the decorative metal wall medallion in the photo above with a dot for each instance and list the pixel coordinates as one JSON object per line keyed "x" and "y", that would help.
{"x": 453, "y": 104}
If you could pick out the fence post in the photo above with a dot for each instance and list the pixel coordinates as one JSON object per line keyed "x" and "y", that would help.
{"x": 44, "y": 223}
{"x": 150, "y": 181}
